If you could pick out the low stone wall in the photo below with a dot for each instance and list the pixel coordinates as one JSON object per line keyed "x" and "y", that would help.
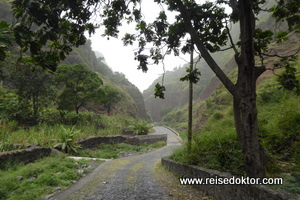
{"x": 93, "y": 142}
{"x": 26, "y": 156}
{"x": 227, "y": 192}
{"x": 31, "y": 154}
{"x": 146, "y": 139}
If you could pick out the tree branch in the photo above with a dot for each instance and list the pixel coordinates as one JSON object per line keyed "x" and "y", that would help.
{"x": 276, "y": 54}
{"x": 204, "y": 53}
{"x": 231, "y": 40}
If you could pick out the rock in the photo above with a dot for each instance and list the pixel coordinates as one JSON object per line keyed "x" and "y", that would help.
{"x": 80, "y": 172}
{"x": 47, "y": 197}
{"x": 20, "y": 178}
{"x": 58, "y": 188}
{"x": 55, "y": 152}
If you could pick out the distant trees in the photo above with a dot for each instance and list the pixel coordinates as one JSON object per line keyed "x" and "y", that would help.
{"x": 6, "y": 36}
{"x": 34, "y": 87}
{"x": 108, "y": 97}
{"x": 26, "y": 90}
{"x": 79, "y": 85}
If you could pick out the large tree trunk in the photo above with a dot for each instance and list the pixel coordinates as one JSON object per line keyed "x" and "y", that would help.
{"x": 245, "y": 114}
{"x": 244, "y": 91}
{"x": 245, "y": 111}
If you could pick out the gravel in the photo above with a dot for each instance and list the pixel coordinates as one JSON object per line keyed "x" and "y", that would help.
{"x": 125, "y": 178}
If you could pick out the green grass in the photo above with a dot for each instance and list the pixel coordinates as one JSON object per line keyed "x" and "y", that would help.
{"x": 216, "y": 145}
{"x": 112, "y": 150}
{"x": 49, "y": 135}
{"x": 32, "y": 181}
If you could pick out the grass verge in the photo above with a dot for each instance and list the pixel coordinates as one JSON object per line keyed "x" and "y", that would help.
{"x": 45, "y": 176}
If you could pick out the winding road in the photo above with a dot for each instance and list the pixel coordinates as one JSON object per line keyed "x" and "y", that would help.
{"x": 131, "y": 177}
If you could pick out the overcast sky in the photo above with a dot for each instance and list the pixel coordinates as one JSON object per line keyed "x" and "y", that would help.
{"x": 120, "y": 58}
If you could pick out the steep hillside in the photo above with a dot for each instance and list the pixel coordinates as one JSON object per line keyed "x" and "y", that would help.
{"x": 132, "y": 100}
{"x": 176, "y": 91}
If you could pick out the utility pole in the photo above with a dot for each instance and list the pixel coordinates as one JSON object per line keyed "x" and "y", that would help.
{"x": 190, "y": 119}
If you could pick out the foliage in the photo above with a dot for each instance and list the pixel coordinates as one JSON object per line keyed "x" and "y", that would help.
{"x": 288, "y": 79}
{"x": 79, "y": 85}
{"x": 6, "y": 146}
{"x": 67, "y": 140}
{"x": 48, "y": 135}
{"x": 6, "y": 37}
{"x": 65, "y": 27}
{"x": 193, "y": 76}
{"x": 140, "y": 127}
{"x": 34, "y": 88}
{"x": 215, "y": 145}
{"x": 159, "y": 91}
{"x": 108, "y": 96}
{"x": 39, "y": 178}
{"x": 289, "y": 11}
{"x": 11, "y": 107}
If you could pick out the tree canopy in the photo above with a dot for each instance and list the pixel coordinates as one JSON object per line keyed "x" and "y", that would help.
{"x": 33, "y": 86}
{"x": 108, "y": 96}
{"x": 79, "y": 86}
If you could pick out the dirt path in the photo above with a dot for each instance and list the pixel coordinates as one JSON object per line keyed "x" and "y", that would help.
{"x": 132, "y": 177}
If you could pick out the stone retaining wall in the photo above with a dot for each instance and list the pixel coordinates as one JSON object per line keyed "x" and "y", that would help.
{"x": 31, "y": 154}
{"x": 227, "y": 192}
{"x": 24, "y": 155}
{"x": 146, "y": 139}
{"x": 93, "y": 142}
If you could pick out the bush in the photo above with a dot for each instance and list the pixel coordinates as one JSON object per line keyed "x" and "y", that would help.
{"x": 140, "y": 127}
{"x": 68, "y": 143}
{"x": 280, "y": 127}
{"x": 50, "y": 116}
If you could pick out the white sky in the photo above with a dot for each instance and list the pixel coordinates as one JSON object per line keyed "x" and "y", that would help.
{"x": 120, "y": 58}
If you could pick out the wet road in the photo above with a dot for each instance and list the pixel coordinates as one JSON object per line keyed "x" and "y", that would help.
{"x": 125, "y": 178}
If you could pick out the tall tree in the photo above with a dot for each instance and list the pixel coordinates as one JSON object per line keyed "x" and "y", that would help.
{"x": 108, "y": 96}
{"x": 35, "y": 87}
{"x": 206, "y": 23}
{"x": 79, "y": 85}
{"x": 192, "y": 78}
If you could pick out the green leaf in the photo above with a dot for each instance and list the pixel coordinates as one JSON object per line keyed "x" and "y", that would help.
{"x": 159, "y": 91}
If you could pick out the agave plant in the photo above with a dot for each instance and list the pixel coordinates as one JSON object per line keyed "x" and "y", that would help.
{"x": 68, "y": 143}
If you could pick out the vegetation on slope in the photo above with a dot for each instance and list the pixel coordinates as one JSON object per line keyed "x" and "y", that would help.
{"x": 132, "y": 101}
{"x": 40, "y": 178}
{"x": 215, "y": 143}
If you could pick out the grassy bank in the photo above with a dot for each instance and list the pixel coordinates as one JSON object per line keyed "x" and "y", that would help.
{"x": 45, "y": 176}
{"x": 215, "y": 143}
{"x": 48, "y": 134}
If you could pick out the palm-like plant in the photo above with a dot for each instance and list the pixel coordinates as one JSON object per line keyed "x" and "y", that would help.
{"x": 68, "y": 143}
{"x": 140, "y": 127}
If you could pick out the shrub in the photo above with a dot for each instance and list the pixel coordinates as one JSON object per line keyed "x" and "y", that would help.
{"x": 140, "y": 127}
{"x": 68, "y": 143}
{"x": 50, "y": 117}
